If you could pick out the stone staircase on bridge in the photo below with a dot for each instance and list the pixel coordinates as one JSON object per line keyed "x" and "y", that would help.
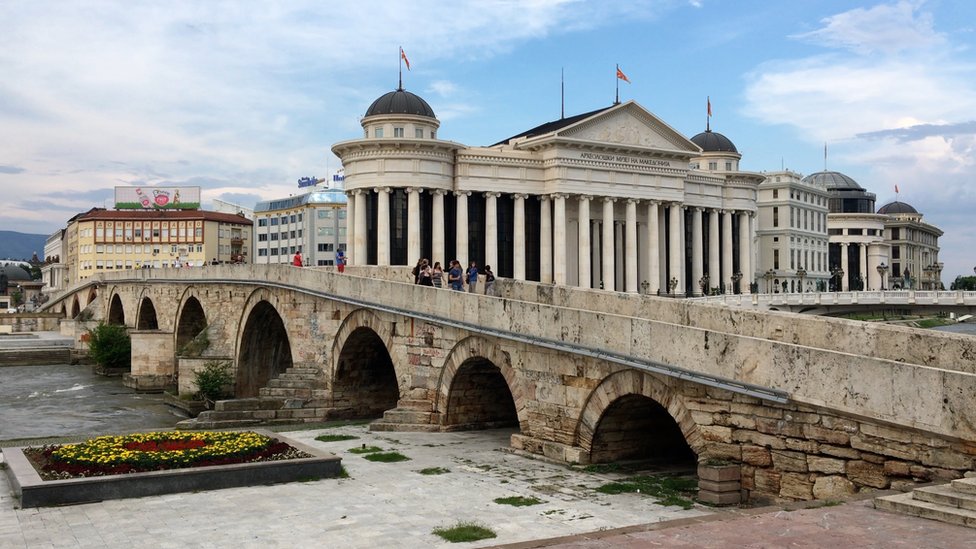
{"x": 408, "y": 416}
{"x": 295, "y": 396}
{"x": 953, "y": 503}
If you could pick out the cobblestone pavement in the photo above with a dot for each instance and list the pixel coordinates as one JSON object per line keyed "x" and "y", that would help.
{"x": 392, "y": 505}
{"x": 381, "y": 505}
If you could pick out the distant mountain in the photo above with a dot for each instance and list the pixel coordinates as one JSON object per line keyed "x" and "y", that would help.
{"x": 14, "y": 245}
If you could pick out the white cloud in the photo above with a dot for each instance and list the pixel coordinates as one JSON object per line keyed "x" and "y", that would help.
{"x": 885, "y": 28}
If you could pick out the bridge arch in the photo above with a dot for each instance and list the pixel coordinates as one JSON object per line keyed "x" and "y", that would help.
{"x": 263, "y": 347}
{"x": 75, "y": 307}
{"x": 634, "y": 415}
{"x": 364, "y": 379}
{"x": 116, "y": 312}
{"x": 190, "y": 320}
{"x": 476, "y": 387}
{"x": 92, "y": 294}
{"x": 64, "y": 310}
{"x": 146, "y": 318}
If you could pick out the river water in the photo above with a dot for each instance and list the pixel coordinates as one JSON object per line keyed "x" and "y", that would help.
{"x": 960, "y": 328}
{"x": 64, "y": 400}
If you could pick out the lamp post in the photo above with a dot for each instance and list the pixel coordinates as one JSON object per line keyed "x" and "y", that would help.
{"x": 768, "y": 277}
{"x": 736, "y": 277}
{"x": 802, "y": 273}
{"x": 836, "y": 275}
{"x": 882, "y": 270}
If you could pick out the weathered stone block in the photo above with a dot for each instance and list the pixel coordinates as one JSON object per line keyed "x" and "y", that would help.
{"x": 784, "y": 460}
{"x": 829, "y": 466}
{"x": 897, "y": 468}
{"x": 713, "y": 486}
{"x": 833, "y": 487}
{"x": 716, "y": 433}
{"x": 756, "y": 455}
{"x": 720, "y": 498}
{"x": 779, "y": 427}
{"x": 864, "y": 473}
{"x": 759, "y": 439}
{"x": 801, "y": 445}
{"x": 719, "y": 450}
{"x": 884, "y": 448}
{"x": 824, "y": 434}
{"x": 834, "y": 423}
{"x": 796, "y": 486}
{"x": 767, "y": 481}
{"x": 946, "y": 459}
{"x": 839, "y": 451}
{"x": 719, "y": 473}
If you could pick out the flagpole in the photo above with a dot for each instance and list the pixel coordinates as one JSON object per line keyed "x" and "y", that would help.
{"x": 708, "y": 113}
{"x": 616, "y": 78}
{"x": 562, "y": 93}
{"x": 400, "y": 60}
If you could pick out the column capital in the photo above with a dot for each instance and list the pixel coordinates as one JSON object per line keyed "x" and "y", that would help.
{"x": 409, "y": 190}
{"x": 585, "y": 197}
{"x": 520, "y": 196}
{"x": 542, "y": 197}
{"x": 555, "y": 196}
{"x": 677, "y": 205}
{"x": 382, "y": 190}
{"x": 462, "y": 193}
{"x": 440, "y": 192}
{"x": 610, "y": 199}
{"x": 698, "y": 208}
{"x": 633, "y": 200}
{"x": 492, "y": 194}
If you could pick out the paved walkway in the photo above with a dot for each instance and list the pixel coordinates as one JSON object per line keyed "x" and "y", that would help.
{"x": 392, "y": 505}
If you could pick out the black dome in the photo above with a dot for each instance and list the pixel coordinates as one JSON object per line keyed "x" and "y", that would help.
{"x": 832, "y": 181}
{"x": 711, "y": 141}
{"x": 400, "y": 102}
{"x": 897, "y": 207}
{"x": 14, "y": 272}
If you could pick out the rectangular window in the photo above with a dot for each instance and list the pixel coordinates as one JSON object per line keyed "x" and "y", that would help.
{"x": 325, "y": 231}
{"x": 776, "y": 192}
{"x": 118, "y": 233}
{"x": 324, "y": 247}
{"x": 342, "y": 246}
{"x": 397, "y": 132}
{"x": 792, "y": 259}
{"x": 776, "y": 259}
{"x": 713, "y": 166}
{"x": 895, "y": 234}
{"x": 299, "y": 218}
{"x": 274, "y": 221}
{"x": 284, "y": 235}
{"x": 292, "y": 218}
{"x": 263, "y": 222}
{"x": 342, "y": 214}
{"x": 262, "y": 238}
{"x": 378, "y": 132}
{"x": 274, "y": 251}
{"x": 262, "y": 253}
{"x": 274, "y": 236}
{"x": 775, "y": 216}
{"x": 299, "y": 233}
{"x": 418, "y": 133}
{"x": 728, "y": 167}
{"x": 292, "y": 233}
{"x": 342, "y": 231}
{"x": 99, "y": 248}
{"x": 323, "y": 214}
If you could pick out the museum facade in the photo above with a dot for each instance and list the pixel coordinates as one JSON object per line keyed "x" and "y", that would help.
{"x": 614, "y": 198}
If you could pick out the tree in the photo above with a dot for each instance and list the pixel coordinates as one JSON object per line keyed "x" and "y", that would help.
{"x": 110, "y": 347}
{"x": 964, "y": 283}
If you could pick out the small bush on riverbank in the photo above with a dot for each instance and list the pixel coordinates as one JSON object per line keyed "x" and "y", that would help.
{"x": 214, "y": 380}
{"x": 465, "y": 531}
{"x": 110, "y": 347}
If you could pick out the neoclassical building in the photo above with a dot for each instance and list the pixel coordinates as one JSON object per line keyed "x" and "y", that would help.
{"x": 914, "y": 248}
{"x": 614, "y": 199}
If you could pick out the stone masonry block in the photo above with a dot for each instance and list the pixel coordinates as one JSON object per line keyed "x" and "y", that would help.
{"x": 833, "y": 487}
{"x": 796, "y": 486}
{"x": 784, "y": 460}
{"x": 756, "y": 455}
{"x": 712, "y": 486}
{"x": 864, "y": 473}
{"x": 719, "y": 473}
{"x": 829, "y": 466}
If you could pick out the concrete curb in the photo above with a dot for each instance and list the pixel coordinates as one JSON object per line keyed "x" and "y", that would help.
{"x": 35, "y": 492}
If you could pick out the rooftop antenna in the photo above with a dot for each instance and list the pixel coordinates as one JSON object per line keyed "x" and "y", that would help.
{"x": 562, "y": 93}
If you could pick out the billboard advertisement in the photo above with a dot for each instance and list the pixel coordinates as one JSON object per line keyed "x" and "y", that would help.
{"x": 157, "y": 198}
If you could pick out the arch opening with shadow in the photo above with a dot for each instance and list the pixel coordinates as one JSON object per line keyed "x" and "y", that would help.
{"x": 636, "y": 427}
{"x": 479, "y": 398}
{"x": 147, "y": 316}
{"x": 192, "y": 321}
{"x": 265, "y": 352}
{"x": 365, "y": 382}
{"x": 75, "y": 307}
{"x": 116, "y": 313}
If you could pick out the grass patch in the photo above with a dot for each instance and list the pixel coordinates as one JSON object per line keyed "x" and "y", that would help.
{"x": 518, "y": 501}
{"x": 386, "y": 457}
{"x": 434, "y": 471}
{"x": 365, "y": 449}
{"x": 932, "y": 322}
{"x": 667, "y": 490}
{"x": 335, "y": 438}
{"x": 342, "y": 472}
{"x": 465, "y": 531}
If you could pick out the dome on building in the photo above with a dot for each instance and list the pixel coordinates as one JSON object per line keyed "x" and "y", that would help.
{"x": 711, "y": 141}
{"x": 14, "y": 272}
{"x": 897, "y": 207}
{"x": 832, "y": 181}
{"x": 400, "y": 102}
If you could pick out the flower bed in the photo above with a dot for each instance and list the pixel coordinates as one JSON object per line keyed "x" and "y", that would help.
{"x": 157, "y": 451}
{"x": 145, "y": 464}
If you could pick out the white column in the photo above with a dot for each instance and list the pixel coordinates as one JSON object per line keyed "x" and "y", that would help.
{"x": 437, "y": 220}
{"x": 844, "y": 286}
{"x": 559, "y": 239}
{"x": 618, "y": 256}
{"x": 413, "y": 225}
{"x": 545, "y": 240}
{"x": 714, "y": 270}
{"x": 383, "y": 226}
{"x": 653, "y": 249}
{"x": 462, "y": 227}
{"x": 584, "y": 242}
{"x": 727, "y": 250}
{"x": 359, "y": 244}
{"x": 675, "y": 255}
{"x": 744, "y": 251}
{"x": 607, "y": 246}
{"x": 596, "y": 255}
{"x": 630, "y": 243}
{"x": 491, "y": 229}
{"x": 519, "y": 240}
{"x": 350, "y": 227}
{"x": 697, "y": 267}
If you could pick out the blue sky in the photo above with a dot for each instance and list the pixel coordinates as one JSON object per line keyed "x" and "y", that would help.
{"x": 243, "y": 98}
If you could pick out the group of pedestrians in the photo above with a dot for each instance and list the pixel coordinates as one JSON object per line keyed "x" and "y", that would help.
{"x": 426, "y": 274}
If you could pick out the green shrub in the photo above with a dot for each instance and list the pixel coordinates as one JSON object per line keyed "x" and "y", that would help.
{"x": 518, "y": 501}
{"x": 434, "y": 471}
{"x": 365, "y": 449}
{"x": 334, "y": 438}
{"x": 465, "y": 531}
{"x": 386, "y": 457}
{"x": 214, "y": 380}
{"x": 109, "y": 346}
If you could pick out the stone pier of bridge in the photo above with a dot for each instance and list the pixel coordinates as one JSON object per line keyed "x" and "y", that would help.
{"x": 807, "y": 406}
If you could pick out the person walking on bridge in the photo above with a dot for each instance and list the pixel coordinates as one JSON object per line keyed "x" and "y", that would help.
{"x": 297, "y": 260}
{"x": 472, "y": 278}
{"x": 455, "y": 275}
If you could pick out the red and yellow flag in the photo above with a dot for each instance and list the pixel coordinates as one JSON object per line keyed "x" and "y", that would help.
{"x": 404, "y": 57}
{"x": 622, "y": 76}
{"x": 709, "y": 100}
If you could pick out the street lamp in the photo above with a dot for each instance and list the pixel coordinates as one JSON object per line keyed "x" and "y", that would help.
{"x": 736, "y": 277}
{"x": 768, "y": 277}
{"x": 802, "y": 273}
{"x": 882, "y": 270}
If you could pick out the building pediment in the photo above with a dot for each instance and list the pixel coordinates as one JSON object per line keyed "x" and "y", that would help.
{"x": 629, "y": 124}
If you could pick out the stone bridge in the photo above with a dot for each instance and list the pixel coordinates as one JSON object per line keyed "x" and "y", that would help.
{"x": 809, "y": 406}
{"x": 837, "y": 303}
